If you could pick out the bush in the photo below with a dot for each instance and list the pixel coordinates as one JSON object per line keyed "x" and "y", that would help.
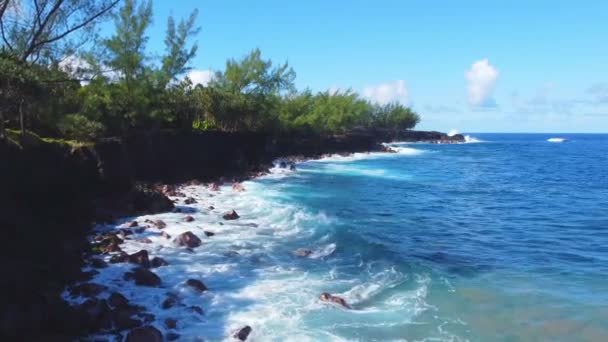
{"x": 81, "y": 128}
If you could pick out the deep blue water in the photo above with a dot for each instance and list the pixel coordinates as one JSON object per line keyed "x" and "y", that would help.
{"x": 507, "y": 238}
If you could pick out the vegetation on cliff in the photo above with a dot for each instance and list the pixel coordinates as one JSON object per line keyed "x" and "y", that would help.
{"x": 60, "y": 79}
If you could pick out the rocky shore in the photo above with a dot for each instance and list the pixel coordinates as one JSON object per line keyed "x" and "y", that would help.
{"x": 52, "y": 194}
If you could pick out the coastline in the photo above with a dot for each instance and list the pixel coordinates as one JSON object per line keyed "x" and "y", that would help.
{"x": 113, "y": 180}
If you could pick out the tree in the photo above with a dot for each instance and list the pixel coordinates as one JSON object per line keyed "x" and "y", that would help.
{"x": 19, "y": 84}
{"x": 253, "y": 75}
{"x": 178, "y": 54}
{"x": 37, "y": 31}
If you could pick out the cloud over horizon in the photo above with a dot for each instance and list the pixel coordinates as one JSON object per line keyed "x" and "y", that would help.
{"x": 481, "y": 78}
{"x": 384, "y": 93}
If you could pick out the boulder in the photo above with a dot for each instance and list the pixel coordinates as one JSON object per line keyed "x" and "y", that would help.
{"x": 145, "y": 277}
{"x": 238, "y": 187}
{"x": 95, "y": 315}
{"x": 302, "y": 252}
{"x": 160, "y": 224}
{"x": 171, "y": 323}
{"x": 172, "y": 336}
{"x": 87, "y": 290}
{"x": 188, "y": 219}
{"x": 211, "y": 207}
{"x": 242, "y": 333}
{"x": 144, "y": 240}
{"x": 197, "y": 309}
{"x": 145, "y": 334}
{"x": 132, "y": 224}
{"x": 169, "y": 303}
{"x": 187, "y": 239}
{"x": 196, "y": 285}
{"x": 123, "y": 318}
{"x": 120, "y": 257}
{"x": 208, "y": 233}
{"x": 230, "y": 215}
{"x": 117, "y": 300}
{"x": 98, "y": 263}
{"x": 165, "y": 235}
{"x": 140, "y": 258}
{"x": 158, "y": 262}
{"x": 190, "y": 200}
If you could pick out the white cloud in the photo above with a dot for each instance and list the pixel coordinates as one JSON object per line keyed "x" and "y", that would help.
{"x": 202, "y": 77}
{"x": 481, "y": 80}
{"x": 388, "y": 92}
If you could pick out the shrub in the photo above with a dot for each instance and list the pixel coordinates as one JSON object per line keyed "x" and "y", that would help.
{"x": 81, "y": 128}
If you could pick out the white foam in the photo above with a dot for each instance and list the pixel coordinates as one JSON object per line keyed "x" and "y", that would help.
{"x": 252, "y": 276}
{"x": 469, "y": 139}
{"x": 557, "y": 140}
{"x": 453, "y": 133}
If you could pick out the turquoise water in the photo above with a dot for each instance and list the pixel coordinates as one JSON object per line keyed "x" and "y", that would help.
{"x": 501, "y": 240}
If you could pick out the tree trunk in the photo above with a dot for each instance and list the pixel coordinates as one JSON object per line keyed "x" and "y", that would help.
{"x": 21, "y": 122}
{"x": 1, "y": 125}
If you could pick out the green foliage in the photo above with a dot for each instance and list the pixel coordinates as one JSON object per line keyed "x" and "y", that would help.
{"x": 130, "y": 89}
{"x": 80, "y": 128}
{"x": 178, "y": 55}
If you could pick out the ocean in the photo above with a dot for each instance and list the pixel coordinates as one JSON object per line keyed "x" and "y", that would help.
{"x": 504, "y": 238}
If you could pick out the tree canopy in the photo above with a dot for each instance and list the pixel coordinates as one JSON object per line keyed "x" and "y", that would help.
{"x": 124, "y": 87}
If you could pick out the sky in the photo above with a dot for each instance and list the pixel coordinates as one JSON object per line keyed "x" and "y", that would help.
{"x": 471, "y": 66}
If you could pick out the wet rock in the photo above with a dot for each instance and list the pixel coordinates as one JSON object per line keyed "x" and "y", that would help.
{"x": 165, "y": 235}
{"x": 230, "y": 215}
{"x": 144, "y": 240}
{"x": 238, "y": 187}
{"x": 132, "y": 224}
{"x": 87, "y": 290}
{"x": 123, "y": 318}
{"x": 147, "y": 317}
{"x": 211, "y": 207}
{"x": 158, "y": 262}
{"x": 172, "y": 336}
{"x": 110, "y": 243}
{"x": 196, "y": 285}
{"x": 160, "y": 224}
{"x": 171, "y": 323}
{"x": 197, "y": 309}
{"x": 302, "y": 252}
{"x": 140, "y": 258}
{"x": 116, "y": 300}
{"x": 169, "y": 303}
{"x": 190, "y": 200}
{"x": 242, "y": 333}
{"x": 144, "y": 277}
{"x": 209, "y": 234}
{"x": 188, "y": 219}
{"x": 326, "y": 297}
{"x": 126, "y": 232}
{"x": 94, "y": 315}
{"x": 145, "y": 334}
{"x": 120, "y": 257}
{"x": 187, "y": 239}
{"x": 98, "y": 263}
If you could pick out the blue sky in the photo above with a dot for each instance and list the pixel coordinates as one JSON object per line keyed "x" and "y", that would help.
{"x": 474, "y": 66}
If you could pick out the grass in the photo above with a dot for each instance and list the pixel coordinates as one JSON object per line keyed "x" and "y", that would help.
{"x": 31, "y": 138}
